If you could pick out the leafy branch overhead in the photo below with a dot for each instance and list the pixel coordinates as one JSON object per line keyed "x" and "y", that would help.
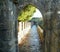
{"x": 26, "y": 13}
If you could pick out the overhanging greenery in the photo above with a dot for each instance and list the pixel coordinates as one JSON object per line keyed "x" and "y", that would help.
{"x": 26, "y": 13}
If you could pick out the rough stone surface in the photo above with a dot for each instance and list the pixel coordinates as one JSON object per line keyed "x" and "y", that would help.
{"x": 8, "y": 41}
{"x": 8, "y": 14}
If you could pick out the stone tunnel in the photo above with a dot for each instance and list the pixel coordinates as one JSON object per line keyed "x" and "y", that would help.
{"x": 9, "y": 10}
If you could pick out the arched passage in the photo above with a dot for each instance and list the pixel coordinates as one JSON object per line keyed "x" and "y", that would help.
{"x": 35, "y": 20}
{"x": 9, "y": 10}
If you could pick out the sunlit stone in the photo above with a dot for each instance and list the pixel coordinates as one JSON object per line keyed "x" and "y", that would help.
{"x": 58, "y": 12}
{"x": 11, "y": 12}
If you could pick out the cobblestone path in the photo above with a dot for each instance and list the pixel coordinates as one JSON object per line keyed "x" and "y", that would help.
{"x": 32, "y": 43}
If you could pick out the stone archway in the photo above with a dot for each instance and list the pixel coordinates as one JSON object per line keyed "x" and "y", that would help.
{"x": 38, "y": 4}
{"x": 40, "y": 7}
{"x": 21, "y": 25}
{"x": 8, "y": 23}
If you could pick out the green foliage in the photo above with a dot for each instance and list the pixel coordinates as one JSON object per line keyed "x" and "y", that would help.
{"x": 26, "y": 13}
{"x": 35, "y": 19}
{"x": 39, "y": 21}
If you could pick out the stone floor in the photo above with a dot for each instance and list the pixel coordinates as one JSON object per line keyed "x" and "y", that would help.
{"x": 32, "y": 43}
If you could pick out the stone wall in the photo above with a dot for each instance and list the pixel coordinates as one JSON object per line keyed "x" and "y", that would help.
{"x": 52, "y": 28}
{"x": 8, "y": 32}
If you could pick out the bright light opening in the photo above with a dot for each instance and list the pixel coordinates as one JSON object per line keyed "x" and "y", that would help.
{"x": 37, "y": 14}
{"x": 58, "y": 12}
{"x": 22, "y": 33}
